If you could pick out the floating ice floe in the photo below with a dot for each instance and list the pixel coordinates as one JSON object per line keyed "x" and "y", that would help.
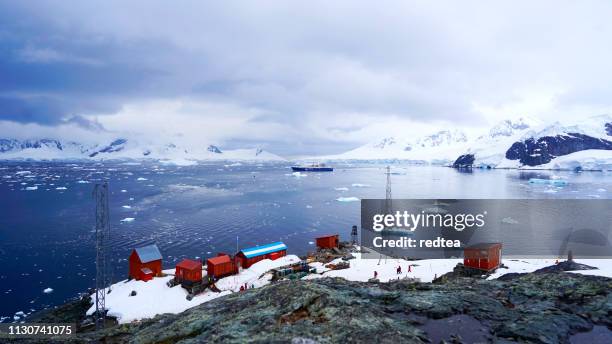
{"x": 347, "y": 199}
{"x": 358, "y": 185}
{"x": 554, "y": 182}
{"x": 48, "y": 290}
{"x": 61, "y": 188}
{"x": 509, "y": 221}
{"x": 141, "y": 179}
{"x": 308, "y": 206}
{"x": 123, "y": 190}
{"x": 126, "y": 207}
{"x": 128, "y": 219}
{"x": 341, "y": 189}
{"x": 19, "y": 173}
{"x": 299, "y": 174}
{"x": 83, "y": 182}
{"x": 31, "y": 188}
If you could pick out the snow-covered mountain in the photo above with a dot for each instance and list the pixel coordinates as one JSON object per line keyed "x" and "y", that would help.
{"x": 122, "y": 148}
{"x": 514, "y": 143}
{"x": 583, "y": 145}
{"x": 441, "y": 147}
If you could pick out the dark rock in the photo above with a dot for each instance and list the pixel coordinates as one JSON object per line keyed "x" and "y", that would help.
{"x": 214, "y": 149}
{"x": 531, "y": 308}
{"x": 464, "y": 161}
{"x": 609, "y": 129}
{"x": 567, "y": 265}
{"x": 533, "y": 152}
{"x": 70, "y": 312}
{"x": 115, "y": 146}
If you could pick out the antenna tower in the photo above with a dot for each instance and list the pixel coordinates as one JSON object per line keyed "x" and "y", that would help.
{"x": 102, "y": 240}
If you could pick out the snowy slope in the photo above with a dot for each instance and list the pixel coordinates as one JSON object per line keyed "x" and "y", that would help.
{"x": 155, "y": 297}
{"x": 120, "y": 148}
{"x": 584, "y": 145}
{"x": 490, "y": 148}
{"x": 514, "y": 143}
{"x": 438, "y": 148}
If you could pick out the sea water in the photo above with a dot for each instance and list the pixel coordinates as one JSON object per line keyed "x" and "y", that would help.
{"x": 47, "y": 212}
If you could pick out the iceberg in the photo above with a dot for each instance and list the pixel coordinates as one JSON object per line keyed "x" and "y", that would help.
{"x": 554, "y": 182}
{"x": 31, "y": 188}
{"x": 128, "y": 219}
{"x": 347, "y": 199}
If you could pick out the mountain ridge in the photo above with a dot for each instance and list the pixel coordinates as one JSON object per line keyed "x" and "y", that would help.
{"x": 123, "y": 148}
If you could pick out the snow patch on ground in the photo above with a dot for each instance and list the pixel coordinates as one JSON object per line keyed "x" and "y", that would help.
{"x": 426, "y": 270}
{"x": 155, "y": 297}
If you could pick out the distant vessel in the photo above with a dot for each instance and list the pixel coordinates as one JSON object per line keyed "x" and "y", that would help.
{"x": 312, "y": 168}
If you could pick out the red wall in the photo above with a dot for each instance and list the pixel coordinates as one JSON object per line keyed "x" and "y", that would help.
{"x": 328, "y": 241}
{"x": 484, "y": 259}
{"x": 247, "y": 262}
{"x": 136, "y": 265}
{"x": 220, "y": 270}
{"x": 188, "y": 275}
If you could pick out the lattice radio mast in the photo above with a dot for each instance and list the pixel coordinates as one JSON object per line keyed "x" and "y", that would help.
{"x": 102, "y": 240}
{"x": 388, "y": 196}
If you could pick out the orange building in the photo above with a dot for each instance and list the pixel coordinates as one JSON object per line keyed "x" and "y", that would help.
{"x": 145, "y": 263}
{"x": 483, "y": 256}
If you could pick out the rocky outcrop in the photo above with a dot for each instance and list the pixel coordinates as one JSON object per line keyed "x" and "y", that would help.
{"x": 7, "y": 145}
{"x": 214, "y": 149}
{"x": 532, "y": 308}
{"x": 115, "y": 146}
{"x": 464, "y": 161}
{"x": 532, "y": 152}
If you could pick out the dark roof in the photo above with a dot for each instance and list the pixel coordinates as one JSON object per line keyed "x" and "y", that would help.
{"x": 148, "y": 253}
{"x": 189, "y": 264}
{"x": 219, "y": 260}
{"x": 484, "y": 245}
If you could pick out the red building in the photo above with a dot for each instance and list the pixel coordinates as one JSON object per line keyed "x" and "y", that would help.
{"x": 483, "y": 256}
{"x": 250, "y": 256}
{"x": 328, "y": 241}
{"x": 145, "y": 263}
{"x": 188, "y": 271}
{"x": 220, "y": 266}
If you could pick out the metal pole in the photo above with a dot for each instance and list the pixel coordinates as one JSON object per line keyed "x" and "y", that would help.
{"x": 102, "y": 237}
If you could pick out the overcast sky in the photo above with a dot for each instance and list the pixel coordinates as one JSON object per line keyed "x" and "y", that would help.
{"x": 314, "y": 77}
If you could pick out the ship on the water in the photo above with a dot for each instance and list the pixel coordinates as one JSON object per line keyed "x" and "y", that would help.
{"x": 315, "y": 167}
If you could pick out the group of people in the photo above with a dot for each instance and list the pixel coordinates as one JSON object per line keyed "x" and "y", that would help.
{"x": 398, "y": 270}
{"x": 245, "y": 287}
